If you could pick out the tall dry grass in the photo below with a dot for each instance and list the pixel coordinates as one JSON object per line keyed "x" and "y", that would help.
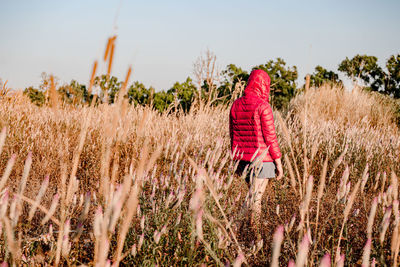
{"x": 120, "y": 184}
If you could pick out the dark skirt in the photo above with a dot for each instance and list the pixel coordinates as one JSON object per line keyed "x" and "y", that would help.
{"x": 266, "y": 170}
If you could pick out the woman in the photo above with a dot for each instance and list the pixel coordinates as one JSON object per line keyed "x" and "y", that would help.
{"x": 253, "y": 139}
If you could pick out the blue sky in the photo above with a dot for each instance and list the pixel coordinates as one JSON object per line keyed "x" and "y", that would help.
{"x": 162, "y": 39}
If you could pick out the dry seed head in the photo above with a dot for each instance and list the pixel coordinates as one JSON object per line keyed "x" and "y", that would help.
{"x": 39, "y": 196}
{"x": 7, "y": 171}
{"x": 321, "y": 186}
{"x": 326, "y": 261}
{"x": 239, "y": 260}
{"x": 303, "y": 251}
{"x": 385, "y": 226}
{"x": 366, "y": 253}
{"x": 157, "y": 236}
{"x": 140, "y": 243}
{"x": 142, "y": 222}
{"x": 351, "y": 200}
{"x": 134, "y": 250}
{"x": 4, "y": 203}
{"x": 371, "y": 217}
{"x": 92, "y": 77}
{"x": 377, "y": 179}
{"x": 340, "y": 262}
{"x": 395, "y": 186}
{"x": 111, "y": 58}
{"x": 3, "y": 135}
{"x": 98, "y": 218}
{"x": 199, "y": 224}
{"x": 277, "y": 242}
{"x": 52, "y": 209}
{"x": 27, "y": 167}
{"x": 364, "y": 177}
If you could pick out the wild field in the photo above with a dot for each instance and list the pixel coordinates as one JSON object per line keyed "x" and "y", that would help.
{"x": 118, "y": 184}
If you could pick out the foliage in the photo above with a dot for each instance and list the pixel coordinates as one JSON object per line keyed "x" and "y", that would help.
{"x": 74, "y": 93}
{"x": 322, "y": 75}
{"x": 36, "y": 96}
{"x": 365, "y": 68}
{"x": 283, "y": 81}
{"x": 109, "y": 86}
{"x": 183, "y": 93}
{"x": 374, "y": 77}
{"x": 138, "y": 94}
{"x": 392, "y": 79}
{"x": 232, "y": 76}
{"x": 162, "y": 100}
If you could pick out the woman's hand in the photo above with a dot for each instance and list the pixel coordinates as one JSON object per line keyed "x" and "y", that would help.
{"x": 279, "y": 169}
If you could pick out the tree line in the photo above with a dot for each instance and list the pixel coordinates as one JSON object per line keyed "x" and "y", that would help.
{"x": 221, "y": 87}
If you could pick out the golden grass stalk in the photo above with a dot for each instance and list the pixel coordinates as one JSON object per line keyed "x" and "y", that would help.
{"x": 110, "y": 41}
{"x": 383, "y": 182}
{"x": 395, "y": 234}
{"x": 52, "y": 209}
{"x": 371, "y": 217}
{"x": 39, "y": 196}
{"x": 289, "y": 142}
{"x": 25, "y": 174}
{"x": 364, "y": 178}
{"x": 132, "y": 202}
{"x": 7, "y": 171}
{"x": 65, "y": 247}
{"x": 377, "y": 179}
{"x": 395, "y": 186}
{"x": 214, "y": 195}
{"x": 12, "y": 244}
{"x": 337, "y": 162}
{"x": 3, "y": 135}
{"x": 54, "y": 101}
{"x": 291, "y": 173}
{"x": 385, "y": 224}
{"x": 304, "y": 207}
{"x": 321, "y": 188}
{"x": 92, "y": 77}
{"x": 395, "y": 244}
{"x": 110, "y": 61}
{"x": 346, "y": 213}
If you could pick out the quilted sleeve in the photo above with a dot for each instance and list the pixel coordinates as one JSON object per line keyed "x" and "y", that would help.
{"x": 231, "y": 127}
{"x": 268, "y": 131}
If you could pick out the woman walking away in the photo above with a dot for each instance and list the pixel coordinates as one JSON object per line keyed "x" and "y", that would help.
{"x": 253, "y": 140}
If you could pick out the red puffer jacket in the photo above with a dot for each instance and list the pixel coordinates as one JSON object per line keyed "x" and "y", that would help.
{"x": 251, "y": 122}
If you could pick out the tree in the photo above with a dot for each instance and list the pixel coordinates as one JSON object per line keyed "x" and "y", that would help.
{"x": 392, "y": 78}
{"x": 207, "y": 78}
{"x": 322, "y": 75}
{"x": 138, "y": 94}
{"x": 74, "y": 93}
{"x": 283, "y": 81}
{"x": 162, "y": 100}
{"x": 109, "y": 86}
{"x": 232, "y": 76}
{"x": 365, "y": 68}
{"x": 36, "y": 96}
{"x": 183, "y": 94}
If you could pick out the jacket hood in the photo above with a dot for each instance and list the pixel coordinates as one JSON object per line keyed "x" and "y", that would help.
{"x": 258, "y": 84}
